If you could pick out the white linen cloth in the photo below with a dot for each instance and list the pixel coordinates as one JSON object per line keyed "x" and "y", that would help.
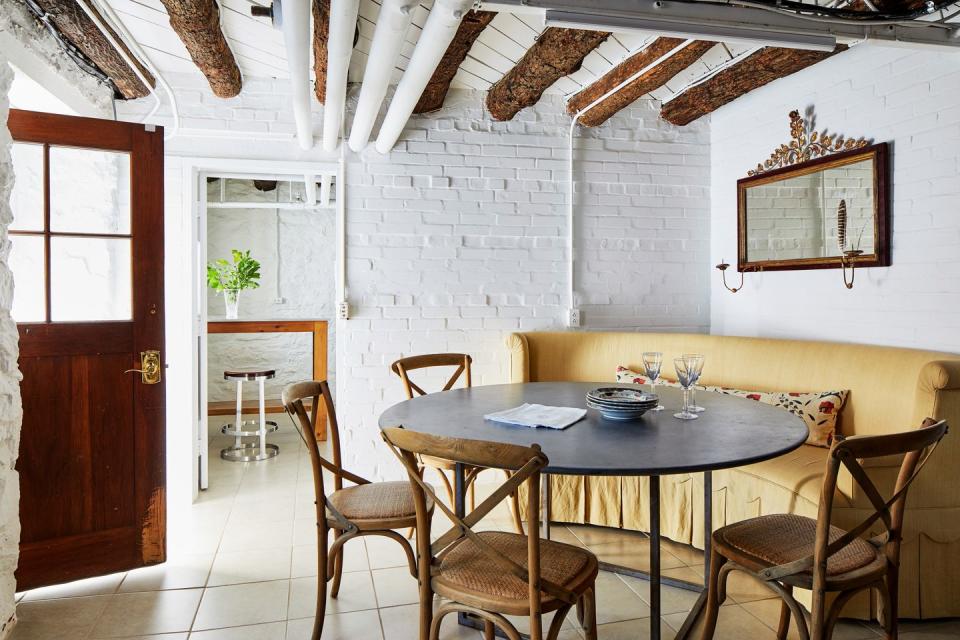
{"x": 538, "y": 415}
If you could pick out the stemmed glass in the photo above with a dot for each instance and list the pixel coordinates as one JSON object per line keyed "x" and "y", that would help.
{"x": 687, "y": 373}
{"x": 697, "y": 361}
{"x": 652, "y": 362}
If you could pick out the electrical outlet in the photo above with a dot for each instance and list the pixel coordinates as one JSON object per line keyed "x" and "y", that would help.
{"x": 343, "y": 310}
{"x": 574, "y": 319}
{"x": 279, "y": 300}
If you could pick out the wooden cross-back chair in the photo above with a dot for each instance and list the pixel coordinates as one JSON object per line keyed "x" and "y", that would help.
{"x": 491, "y": 574}
{"x": 462, "y": 362}
{"x": 790, "y": 551}
{"x": 363, "y": 509}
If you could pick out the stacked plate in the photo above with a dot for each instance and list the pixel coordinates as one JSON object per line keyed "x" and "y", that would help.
{"x": 620, "y": 403}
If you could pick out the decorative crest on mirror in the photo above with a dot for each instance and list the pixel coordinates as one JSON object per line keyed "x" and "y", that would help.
{"x": 806, "y": 144}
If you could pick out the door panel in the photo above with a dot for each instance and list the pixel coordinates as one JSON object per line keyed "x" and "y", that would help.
{"x": 92, "y": 446}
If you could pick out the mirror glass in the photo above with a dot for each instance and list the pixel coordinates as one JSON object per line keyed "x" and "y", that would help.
{"x": 791, "y": 218}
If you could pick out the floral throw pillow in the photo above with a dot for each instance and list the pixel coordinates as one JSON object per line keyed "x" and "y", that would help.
{"x": 819, "y": 409}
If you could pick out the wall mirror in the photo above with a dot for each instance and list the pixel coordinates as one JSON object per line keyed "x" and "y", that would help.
{"x": 819, "y": 202}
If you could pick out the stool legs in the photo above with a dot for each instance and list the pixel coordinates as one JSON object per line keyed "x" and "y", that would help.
{"x": 263, "y": 421}
{"x": 238, "y": 423}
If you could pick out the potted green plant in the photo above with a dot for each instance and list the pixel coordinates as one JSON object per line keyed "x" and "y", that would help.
{"x": 230, "y": 278}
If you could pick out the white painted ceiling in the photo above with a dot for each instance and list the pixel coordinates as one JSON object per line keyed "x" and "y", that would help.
{"x": 260, "y": 52}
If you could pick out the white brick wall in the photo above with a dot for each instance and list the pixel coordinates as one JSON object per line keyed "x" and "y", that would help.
{"x": 10, "y": 409}
{"x": 907, "y": 98}
{"x": 458, "y": 237}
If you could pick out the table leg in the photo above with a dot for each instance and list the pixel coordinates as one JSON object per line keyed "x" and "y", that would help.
{"x": 654, "y": 557}
{"x": 545, "y": 514}
{"x": 694, "y": 614}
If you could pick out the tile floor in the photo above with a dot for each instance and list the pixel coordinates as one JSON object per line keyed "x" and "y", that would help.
{"x": 242, "y": 566}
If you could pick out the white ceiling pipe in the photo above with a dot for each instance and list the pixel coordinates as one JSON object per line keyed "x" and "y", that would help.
{"x": 441, "y": 26}
{"x": 294, "y": 21}
{"x": 343, "y": 23}
{"x": 389, "y": 36}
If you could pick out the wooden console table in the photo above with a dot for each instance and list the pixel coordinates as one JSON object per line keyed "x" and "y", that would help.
{"x": 316, "y": 327}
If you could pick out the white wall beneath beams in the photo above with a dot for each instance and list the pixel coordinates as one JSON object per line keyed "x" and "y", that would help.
{"x": 458, "y": 237}
{"x": 907, "y": 98}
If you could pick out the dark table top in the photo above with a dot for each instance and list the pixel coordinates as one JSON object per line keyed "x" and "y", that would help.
{"x": 731, "y": 432}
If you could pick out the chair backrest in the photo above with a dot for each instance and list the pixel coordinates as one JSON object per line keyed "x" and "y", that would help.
{"x": 402, "y": 366}
{"x": 293, "y": 397}
{"x": 525, "y": 463}
{"x": 915, "y": 446}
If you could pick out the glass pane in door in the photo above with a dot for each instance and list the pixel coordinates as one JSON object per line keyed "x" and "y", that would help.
{"x": 26, "y": 199}
{"x": 27, "y": 265}
{"x": 89, "y": 191}
{"x": 90, "y": 279}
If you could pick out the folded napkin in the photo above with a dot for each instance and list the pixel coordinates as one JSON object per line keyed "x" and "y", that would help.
{"x": 538, "y": 415}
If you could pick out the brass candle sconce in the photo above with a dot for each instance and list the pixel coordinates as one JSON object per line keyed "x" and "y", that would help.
{"x": 723, "y": 266}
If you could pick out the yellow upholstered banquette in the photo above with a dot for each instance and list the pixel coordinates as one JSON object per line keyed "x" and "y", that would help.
{"x": 890, "y": 390}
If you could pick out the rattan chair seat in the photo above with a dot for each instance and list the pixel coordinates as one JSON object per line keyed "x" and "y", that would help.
{"x": 777, "y": 539}
{"x": 465, "y": 571}
{"x": 377, "y": 502}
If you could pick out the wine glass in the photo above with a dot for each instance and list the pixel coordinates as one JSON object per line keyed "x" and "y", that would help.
{"x": 652, "y": 362}
{"x": 687, "y": 376}
{"x": 696, "y": 360}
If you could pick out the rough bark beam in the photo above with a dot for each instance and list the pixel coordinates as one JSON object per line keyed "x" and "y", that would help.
{"x": 556, "y": 53}
{"x": 642, "y": 85}
{"x": 321, "y": 33}
{"x": 436, "y": 90}
{"x": 197, "y": 22}
{"x": 77, "y": 27}
{"x": 760, "y": 68}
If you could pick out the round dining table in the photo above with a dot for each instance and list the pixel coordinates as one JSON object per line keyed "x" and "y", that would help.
{"x": 730, "y": 432}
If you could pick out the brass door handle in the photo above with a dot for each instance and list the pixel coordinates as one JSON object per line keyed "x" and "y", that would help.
{"x": 150, "y": 367}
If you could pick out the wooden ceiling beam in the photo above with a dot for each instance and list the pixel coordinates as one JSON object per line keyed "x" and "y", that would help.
{"x": 77, "y": 27}
{"x": 436, "y": 90}
{"x": 197, "y": 22}
{"x": 557, "y": 53}
{"x": 760, "y": 68}
{"x": 641, "y": 85}
{"x": 321, "y": 33}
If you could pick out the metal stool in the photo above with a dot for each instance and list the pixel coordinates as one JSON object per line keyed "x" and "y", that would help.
{"x": 252, "y": 451}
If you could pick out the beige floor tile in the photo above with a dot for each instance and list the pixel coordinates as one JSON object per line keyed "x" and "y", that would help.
{"x": 150, "y": 612}
{"x": 636, "y": 630}
{"x": 243, "y": 604}
{"x": 768, "y": 612}
{"x": 356, "y": 625}
{"x": 179, "y": 572}
{"x": 101, "y": 585}
{"x": 733, "y": 622}
{"x": 616, "y": 600}
{"x": 591, "y": 535}
{"x": 305, "y": 558}
{"x": 64, "y": 618}
{"x": 634, "y": 553}
{"x": 159, "y": 636}
{"x": 745, "y": 588}
{"x": 384, "y": 553}
{"x": 258, "y": 510}
{"x": 402, "y": 623}
{"x": 356, "y": 594}
{"x": 268, "y": 631}
{"x": 261, "y": 565}
{"x": 395, "y": 587}
{"x": 249, "y": 536}
{"x": 305, "y": 531}
{"x": 672, "y": 599}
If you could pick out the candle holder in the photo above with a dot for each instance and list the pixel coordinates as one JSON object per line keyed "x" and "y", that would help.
{"x": 723, "y": 266}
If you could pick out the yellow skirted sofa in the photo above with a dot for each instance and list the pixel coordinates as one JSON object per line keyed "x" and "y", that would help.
{"x": 890, "y": 390}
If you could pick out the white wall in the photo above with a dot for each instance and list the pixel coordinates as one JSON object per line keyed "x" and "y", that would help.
{"x": 907, "y": 98}
{"x": 458, "y": 237}
{"x": 297, "y": 253}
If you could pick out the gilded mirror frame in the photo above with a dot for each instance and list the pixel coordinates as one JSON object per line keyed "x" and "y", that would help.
{"x": 878, "y": 154}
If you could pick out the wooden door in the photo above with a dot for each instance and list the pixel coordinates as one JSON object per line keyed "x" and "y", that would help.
{"x": 87, "y": 259}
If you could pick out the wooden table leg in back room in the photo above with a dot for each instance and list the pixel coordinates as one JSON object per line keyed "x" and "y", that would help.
{"x": 317, "y": 328}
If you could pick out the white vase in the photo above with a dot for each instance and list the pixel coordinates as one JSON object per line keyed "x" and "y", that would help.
{"x": 231, "y": 298}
